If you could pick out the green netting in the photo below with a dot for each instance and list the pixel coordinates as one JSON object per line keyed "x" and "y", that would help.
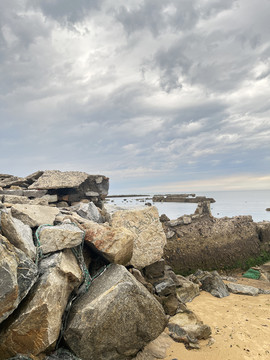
{"x": 252, "y": 274}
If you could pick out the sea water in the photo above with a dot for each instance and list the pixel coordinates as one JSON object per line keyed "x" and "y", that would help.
{"x": 228, "y": 203}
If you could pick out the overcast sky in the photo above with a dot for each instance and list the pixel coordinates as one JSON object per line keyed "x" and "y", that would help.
{"x": 158, "y": 95}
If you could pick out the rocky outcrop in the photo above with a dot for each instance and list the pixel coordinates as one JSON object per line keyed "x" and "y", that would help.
{"x": 36, "y": 326}
{"x": 187, "y": 198}
{"x": 210, "y": 243}
{"x": 149, "y": 238}
{"x": 115, "y": 319}
{"x": 18, "y": 273}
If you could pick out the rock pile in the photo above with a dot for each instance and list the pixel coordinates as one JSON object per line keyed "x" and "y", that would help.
{"x": 74, "y": 276}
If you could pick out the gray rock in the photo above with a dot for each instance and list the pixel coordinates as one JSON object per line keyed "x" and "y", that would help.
{"x": 18, "y": 273}
{"x": 19, "y": 234}
{"x": 34, "y": 215}
{"x": 242, "y": 289}
{"x": 186, "y": 290}
{"x": 54, "y": 238}
{"x": 18, "y": 192}
{"x": 88, "y": 211}
{"x": 34, "y": 193}
{"x": 62, "y": 354}
{"x": 39, "y": 319}
{"x": 165, "y": 287}
{"x": 115, "y": 319}
{"x": 212, "y": 283}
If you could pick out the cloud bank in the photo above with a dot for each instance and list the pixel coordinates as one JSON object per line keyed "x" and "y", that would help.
{"x": 150, "y": 93}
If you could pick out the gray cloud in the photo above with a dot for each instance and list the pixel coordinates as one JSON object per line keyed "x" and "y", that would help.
{"x": 146, "y": 91}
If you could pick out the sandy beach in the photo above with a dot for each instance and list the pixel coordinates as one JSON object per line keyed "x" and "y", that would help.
{"x": 240, "y": 328}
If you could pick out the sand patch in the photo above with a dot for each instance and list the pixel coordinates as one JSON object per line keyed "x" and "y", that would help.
{"x": 240, "y": 327}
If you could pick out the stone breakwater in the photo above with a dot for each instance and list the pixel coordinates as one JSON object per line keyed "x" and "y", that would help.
{"x": 79, "y": 280}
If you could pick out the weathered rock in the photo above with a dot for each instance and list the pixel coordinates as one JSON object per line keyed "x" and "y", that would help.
{"x": 149, "y": 236}
{"x": 14, "y": 199}
{"x": 212, "y": 283}
{"x": 34, "y": 193}
{"x": 50, "y": 198}
{"x": 115, "y": 244}
{"x": 186, "y": 290}
{"x": 187, "y": 322}
{"x": 55, "y": 179}
{"x": 12, "y": 192}
{"x": 165, "y": 287}
{"x": 115, "y": 319}
{"x": 54, "y": 238}
{"x": 34, "y": 215}
{"x": 8, "y": 180}
{"x": 88, "y": 211}
{"x": 155, "y": 270}
{"x": 242, "y": 289}
{"x": 18, "y": 273}
{"x": 210, "y": 243}
{"x": 61, "y": 354}
{"x": 36, "y": 326}
{"x": 19, "y": 234}
{"x": 170, "y": 304}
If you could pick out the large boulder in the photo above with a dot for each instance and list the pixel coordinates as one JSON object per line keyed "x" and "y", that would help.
{"x": 242, "y": 289}
{"x": 115, "y": 319}
{"x": 54, "y": 238}
{"x": 115, "y": 244}
{"x": 34, "y": 215}
{"x": 19, "y": 234}
{"x": 36, "y": 325}
{"x": 149, "y": 238}
{"x": 18, "y": 273}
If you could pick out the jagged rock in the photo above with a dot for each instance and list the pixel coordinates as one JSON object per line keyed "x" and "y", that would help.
{"x": 186, "y": 290}
{"x": 88, "y": 211}
{"x": 34, "y": 215}
{"x": 34, "y": 193}
{"x": 18, "y": 273}
{"x": 165, "y": 287}
{"x": 155, "y": 270}
{"x": 62, "y": 354}
{"x": 115, "y": 244}
{"x": 115, "y": 319}
{"x": 19, "y": 234}
{"x": 149, "y": 236}
{"x": 186, "y": 323}
{"x": 170, "y": 304}
{"x": 212, "y": 283}
{"x": 36, "y": 326}
{"x": 54, "y": 238}
{"x": 9, "y": 180}
{"x": 242, "y": 289}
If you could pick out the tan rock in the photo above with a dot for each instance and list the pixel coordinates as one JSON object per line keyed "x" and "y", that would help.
{"x": 53, "y": 238}
{"x": 18, "y": 273}
{"x": 13, "y": 199}
{"x": 115, "y": 244}
{"x": 19, "y": 234}
{"x": 36, "y": 326}
{"x": 149, "y": 236}
{"x": 34, "y": 215}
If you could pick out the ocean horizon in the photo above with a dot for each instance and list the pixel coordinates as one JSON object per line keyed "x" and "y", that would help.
{"x": 228, "y": 203}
